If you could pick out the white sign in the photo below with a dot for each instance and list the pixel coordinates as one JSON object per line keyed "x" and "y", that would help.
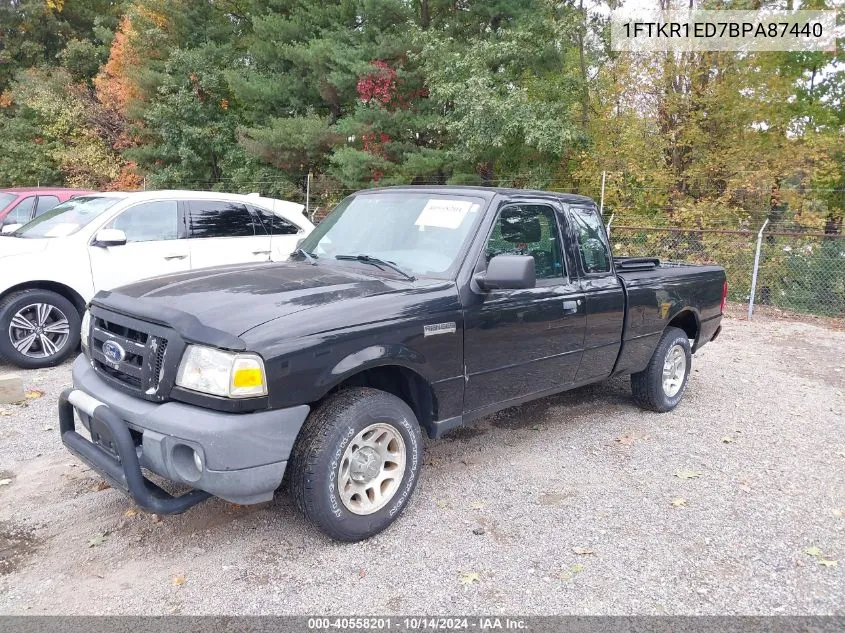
{"x": 444, "y": 214}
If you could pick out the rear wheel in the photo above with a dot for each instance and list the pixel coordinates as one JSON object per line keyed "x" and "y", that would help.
{"x": 356, "y": 463}
{"x": 38, "y": 328}
{"x": 661, "y": 385}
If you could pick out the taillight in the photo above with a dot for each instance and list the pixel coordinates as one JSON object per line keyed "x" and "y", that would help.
{"x": 724, "y": 296}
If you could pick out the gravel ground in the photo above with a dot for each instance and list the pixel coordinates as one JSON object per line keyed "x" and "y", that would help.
{"x": 574, "y": 504}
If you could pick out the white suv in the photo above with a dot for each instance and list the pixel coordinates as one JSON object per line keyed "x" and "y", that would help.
{"x": 52, "y": 266}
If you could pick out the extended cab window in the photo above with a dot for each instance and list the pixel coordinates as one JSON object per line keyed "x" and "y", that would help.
{"x": 273, "y": 224}
{"x": 213, "y": 218}
{"x": 592, "y": 242}
{"x": 528, "y": 229}
{"x": 149, "y": 221}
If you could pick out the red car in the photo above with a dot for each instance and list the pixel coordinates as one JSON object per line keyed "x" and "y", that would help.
{"x": 20, "y": 205}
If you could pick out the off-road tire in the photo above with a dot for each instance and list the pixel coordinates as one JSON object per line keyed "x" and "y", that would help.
{"x": 17, "y": 300}
{"x": 315, "y": 459}
{"x": 647, "y": 385}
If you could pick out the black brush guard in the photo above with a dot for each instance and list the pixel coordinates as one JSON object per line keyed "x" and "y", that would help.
{"x": 123, "y": 473}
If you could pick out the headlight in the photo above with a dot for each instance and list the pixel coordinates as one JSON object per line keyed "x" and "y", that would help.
{"x": 85, "y": 331}
{"x": 220, "y": 373}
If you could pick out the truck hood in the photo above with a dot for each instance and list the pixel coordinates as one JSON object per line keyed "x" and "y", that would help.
{"x": 20, "y": 246}
{"x": 235, "y": 299}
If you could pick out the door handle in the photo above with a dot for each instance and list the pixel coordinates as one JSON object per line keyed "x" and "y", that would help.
{"x": 169, "y": 257}
{"x": 571, "y": 306}
{"x": 260, "y": 252}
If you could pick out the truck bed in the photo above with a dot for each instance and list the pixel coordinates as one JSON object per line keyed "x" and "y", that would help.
{"x": 659, "y": 292}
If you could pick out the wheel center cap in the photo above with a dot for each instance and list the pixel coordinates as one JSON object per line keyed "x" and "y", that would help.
{"x": 365, "y": 466}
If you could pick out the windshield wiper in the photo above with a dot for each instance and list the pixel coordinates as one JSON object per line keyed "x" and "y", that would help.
{"x": 375, "y": 261}
{"x": 311, "y": 259}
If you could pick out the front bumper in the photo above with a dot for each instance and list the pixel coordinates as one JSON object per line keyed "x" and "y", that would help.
{"x": 242, "y": 456}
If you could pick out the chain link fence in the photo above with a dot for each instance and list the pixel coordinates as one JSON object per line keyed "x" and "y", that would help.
{"x": 797, "y": 271}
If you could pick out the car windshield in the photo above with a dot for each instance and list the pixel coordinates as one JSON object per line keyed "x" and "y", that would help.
{"x": 423, "y": 233}
{"x": 68, "y": 217}
{"x": 5, "y": 199}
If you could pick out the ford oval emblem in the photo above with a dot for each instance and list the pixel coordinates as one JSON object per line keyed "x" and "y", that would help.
{"x": 113, "y": 351}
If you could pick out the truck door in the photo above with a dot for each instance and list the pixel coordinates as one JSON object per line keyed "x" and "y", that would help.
{"x": 522, "y": 342}
{"x": 603, "y": 293}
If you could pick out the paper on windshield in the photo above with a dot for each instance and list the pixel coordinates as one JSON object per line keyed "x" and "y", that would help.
{"x": 445, "y": 214}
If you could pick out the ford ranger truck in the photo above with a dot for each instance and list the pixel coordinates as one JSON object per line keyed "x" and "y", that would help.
{"x": 408, "y": 310}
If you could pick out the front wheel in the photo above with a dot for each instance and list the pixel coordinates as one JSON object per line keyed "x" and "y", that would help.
{"x": 661, "y": 385}
{"x": 38, "y": 328}
{"x": 356, "y": 463}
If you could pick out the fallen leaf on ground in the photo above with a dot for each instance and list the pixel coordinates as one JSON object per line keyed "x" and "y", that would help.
{"x": 469, "y": 577}
{"x": 131, "y": 512}
{"x": 179, "y": 580}
{"x": 442, "y": 504}
{"x": 837, "y": 513}
{"x": 33, "y": 394}
{"x": 97, "y": 539}
{"x": 4, "y": 413}
{"x": 679, "y": 503}
{"x": 477, "y": 505}
{"x": 362, "y": 573}
{"x": 628, "y": 438}
{"x": 5, "y": 482}
{"x": 155, "y": 518}
{"x": 687, "y": 473}
{"x": 567, "y": 574}
{"x": 813, "y": 551}
{"x": 100, "y": 485}
{"x": 728, "y": 439}
{"x": 827, "y": 563}
{"x": 583, "y": 551}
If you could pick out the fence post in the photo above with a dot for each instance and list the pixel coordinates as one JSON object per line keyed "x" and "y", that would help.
{"x": 601, "y": 204}
{"x": 756, "y": 268}
{"x": 308, "y": 197}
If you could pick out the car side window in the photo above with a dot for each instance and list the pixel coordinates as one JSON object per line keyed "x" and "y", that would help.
{"x": 592, "y": 240}
{"x": 149, "y": 221}
{"x": 274, "y": 224}
{"x": 529, "y": 229}
{"x": 44, "y": 204}
{"x": 22, "y": 213}
{"x": 214, "y": 218}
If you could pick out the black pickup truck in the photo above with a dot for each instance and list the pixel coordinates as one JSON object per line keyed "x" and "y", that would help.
{"x": 407, "y": 310}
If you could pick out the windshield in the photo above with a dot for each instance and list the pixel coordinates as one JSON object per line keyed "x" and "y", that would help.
{"x": 68, "y": 217}
{"x": 5, "y": 199}
{"x": 421, "y": 232}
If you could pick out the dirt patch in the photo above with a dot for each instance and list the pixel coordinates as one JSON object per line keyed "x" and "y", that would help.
{"x": 465, "y": 433}
{"x": 17, "y": 544}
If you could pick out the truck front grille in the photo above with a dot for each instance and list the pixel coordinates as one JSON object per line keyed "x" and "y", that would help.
{"x": 132, "y": 354}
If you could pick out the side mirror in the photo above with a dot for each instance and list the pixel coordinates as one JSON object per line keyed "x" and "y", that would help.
{"x": 508, "y": 272}
{"x": 10, "y": 228}
{"x": 110, "y": 237}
